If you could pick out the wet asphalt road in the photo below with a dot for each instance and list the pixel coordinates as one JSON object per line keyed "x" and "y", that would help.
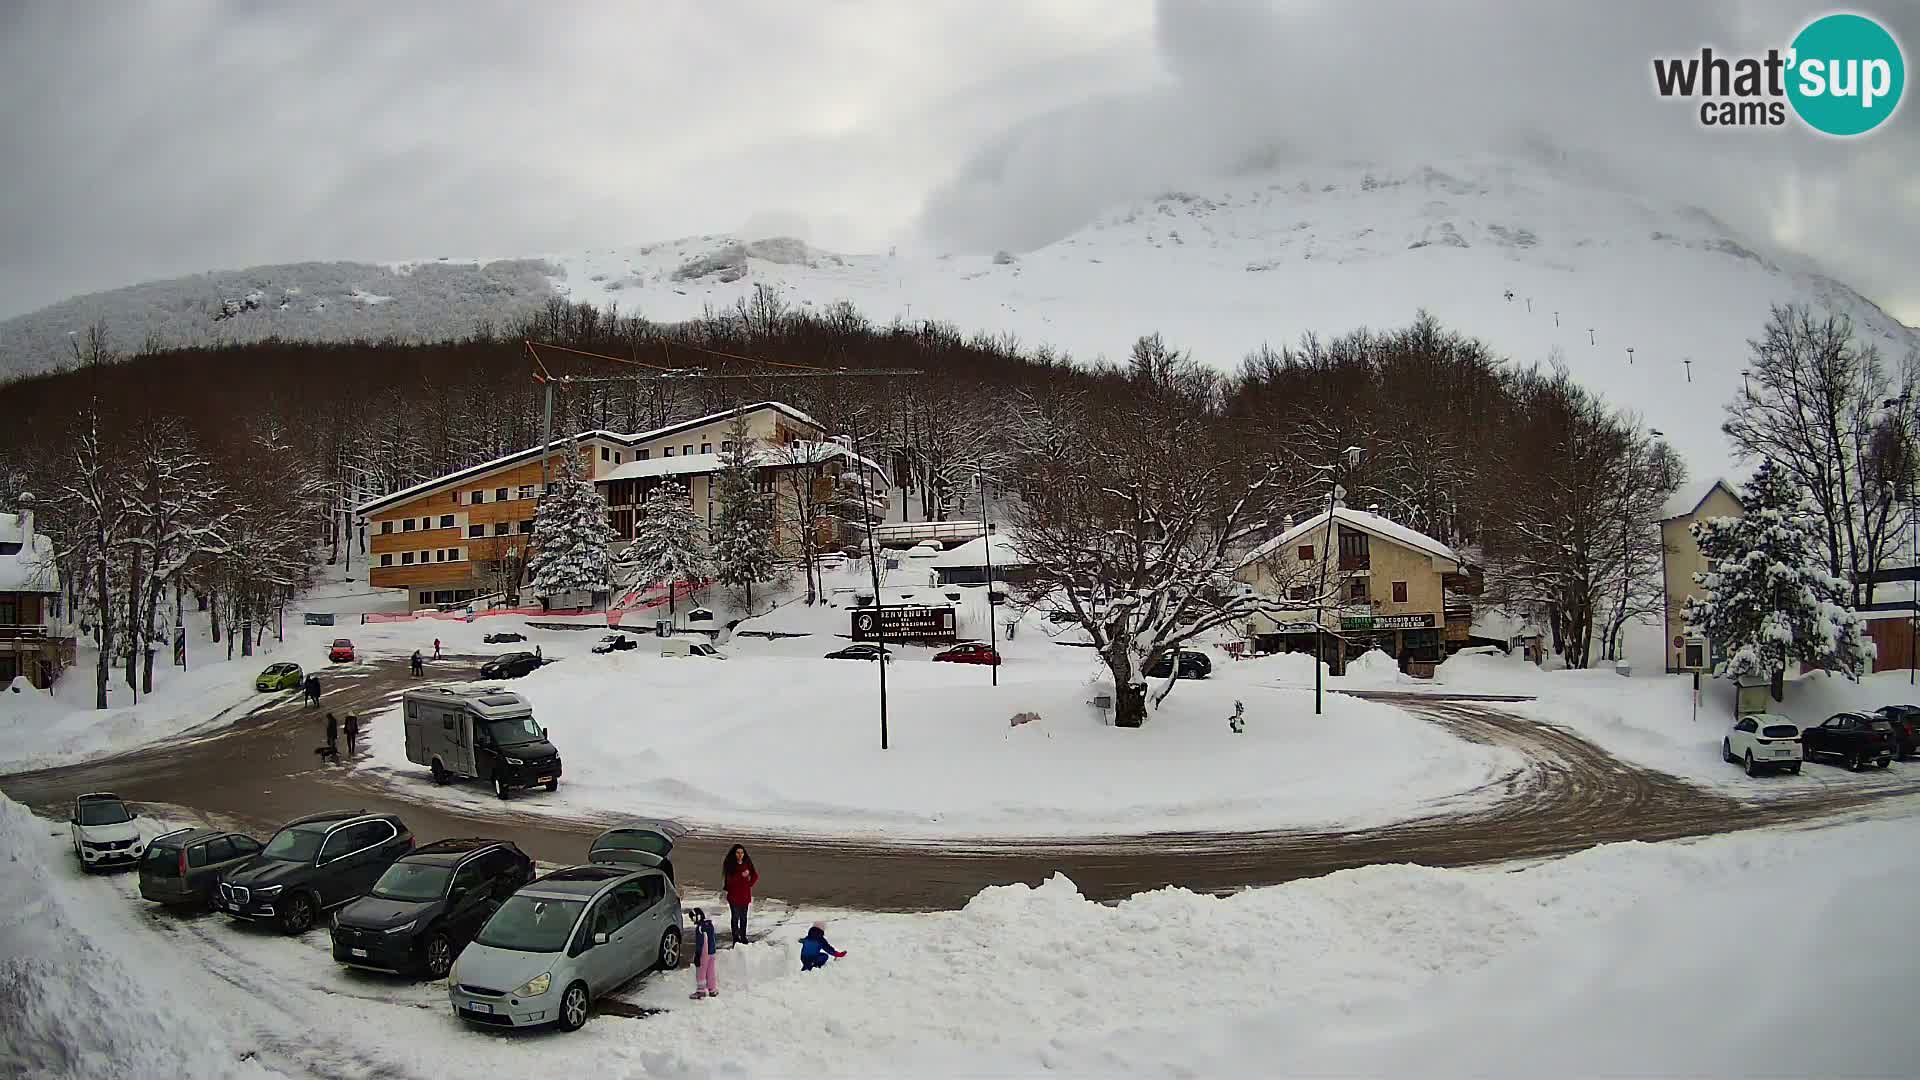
{"x": 262, "y": 770}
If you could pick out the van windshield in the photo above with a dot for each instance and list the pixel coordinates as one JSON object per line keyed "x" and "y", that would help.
{"x": 531, "y": 924}
{"x": 512, "y": 732}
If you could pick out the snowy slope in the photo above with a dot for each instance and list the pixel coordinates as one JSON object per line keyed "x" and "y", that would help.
{"x": 1240, "y": 261}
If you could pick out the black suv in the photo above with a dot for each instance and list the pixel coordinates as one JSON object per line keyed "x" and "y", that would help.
{"x": 510, "y": 665}
{"x": 1906, "y": 728}
{"x": 312, "y": 864}
{"x": 1193, "y": 665}
{"x": 503, "y": 637}
{"x": 1856, "y": 739}
{"x": 428, "y": 905}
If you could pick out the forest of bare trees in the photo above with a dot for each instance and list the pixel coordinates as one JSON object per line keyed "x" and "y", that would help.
{"x": 277, "y": 441}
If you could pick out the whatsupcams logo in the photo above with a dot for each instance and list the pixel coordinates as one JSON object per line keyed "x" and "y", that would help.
{"x": 1842, "y": 75}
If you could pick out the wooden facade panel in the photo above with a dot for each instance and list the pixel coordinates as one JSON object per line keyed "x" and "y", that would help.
{"x": 394, "y": 577}
{"x": 379, "y": 543}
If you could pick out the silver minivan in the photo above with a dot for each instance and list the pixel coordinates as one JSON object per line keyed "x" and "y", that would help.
{"x": 567, "y": 938}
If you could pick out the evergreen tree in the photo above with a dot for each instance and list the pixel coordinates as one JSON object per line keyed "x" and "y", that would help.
{"x": 1769, "y": 596}
{"x": 571, "y": 535}
{"x": 670, "y": 541}
{"x": 743, "y": 527}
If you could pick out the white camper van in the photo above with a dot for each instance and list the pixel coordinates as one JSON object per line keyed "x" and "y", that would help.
{"x": 674, "y": 646}
{"x": 487, "y": 734}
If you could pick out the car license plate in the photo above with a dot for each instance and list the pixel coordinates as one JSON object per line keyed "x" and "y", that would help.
{"x": 544, "y": 780}
{"x": 362, "y": 953}
{"x": 480, "y": 1006}
{"x": 1783, "y": 753}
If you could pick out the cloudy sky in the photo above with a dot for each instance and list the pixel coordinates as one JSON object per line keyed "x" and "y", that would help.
{"x": 166, "y": 138}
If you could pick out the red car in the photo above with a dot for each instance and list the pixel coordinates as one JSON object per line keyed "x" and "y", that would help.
{"x": 342, "y": 651}
{"x": 971, "y": 652}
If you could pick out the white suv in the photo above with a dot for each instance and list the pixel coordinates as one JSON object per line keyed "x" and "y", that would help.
{"x": 104, "y": 832}
{"x": 1763, "y": 742}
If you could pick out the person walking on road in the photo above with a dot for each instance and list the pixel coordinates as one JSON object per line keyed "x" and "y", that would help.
{"x": 705, "y": 945}
{"x": 353, "y": 732}
{"x": 312, "y": 690}
{"x": 738, "y": 877}
{"x": 815, "y": 949}
{"x": 333, "y": 738}
{"x": 436, "y": 648}
{"x": 419, "y": 667}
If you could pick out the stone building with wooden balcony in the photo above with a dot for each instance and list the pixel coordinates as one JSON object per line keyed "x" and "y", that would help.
{"x": 35, "y": 639}
{"x": 467, "y": 534}
{"x": 1386, "y": 586}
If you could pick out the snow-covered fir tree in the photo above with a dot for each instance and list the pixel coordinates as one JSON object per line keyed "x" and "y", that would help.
{"x": 1769, "y": 596}
{"x": 571, "y": 535}
{"x": 670, "y": 541}
{"x": 743, "y": 526}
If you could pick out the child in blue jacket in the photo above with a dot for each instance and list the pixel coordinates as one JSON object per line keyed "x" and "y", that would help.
{"x": 705, "y": 944}
{"x": 815, "y": 948}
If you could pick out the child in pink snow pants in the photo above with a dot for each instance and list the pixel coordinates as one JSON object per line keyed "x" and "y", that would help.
{"x": 705, "y": 945}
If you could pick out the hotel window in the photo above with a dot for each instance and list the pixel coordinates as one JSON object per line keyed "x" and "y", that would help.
{"x": 606, "y": 454}
{"x": 1399, "y": 592}
{"x": 439, "y": 555}
{"x": 1305, "y": 553}
{"x": 502, "y": 528}
{"x": 640, "y": 455}
{"x": 686, "y": 450}
{"x": 1300, "y": 592}
{"x": 1357, "y": 590}
{"x": 706, "y": 448}
{"x": 1353, "y": 550}
{"x": 406, "y": 525}
{"x": 476, "y": 530}
{"x": 616, "y": 457}
{"x": 406, "y": 558}
{"x": 479, "y": 497}
{"x": 526, "y": 527}
{"x": 668, "y": 452}
{"x": 386, "y": 526}
{"x": 456, "y": 497}
{"x": 446, "y": 521}
{"x": 526, "y": 491}
{"x": 726, "y": 446}
{"x": 386, "y": 560}
{"x": 499, "y": 494}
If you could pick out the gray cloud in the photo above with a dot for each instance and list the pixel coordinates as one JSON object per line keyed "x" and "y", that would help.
{"x": 152, "y": 140}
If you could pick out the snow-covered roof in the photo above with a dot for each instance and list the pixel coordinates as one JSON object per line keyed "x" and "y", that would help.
{"x": 31, "y": 568}
{"x": 796, "y": 453}
{"x": 1689, "y": 497}
{"x": 485, "y": 467}
{"x": 975, "y": 552}
{"x": 1364, "y": 521}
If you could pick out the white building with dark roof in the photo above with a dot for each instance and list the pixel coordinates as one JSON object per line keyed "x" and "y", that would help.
{"x": 35, "y": 639}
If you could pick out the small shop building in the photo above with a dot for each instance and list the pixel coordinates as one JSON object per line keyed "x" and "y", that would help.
{"x": 1386, "y": 586}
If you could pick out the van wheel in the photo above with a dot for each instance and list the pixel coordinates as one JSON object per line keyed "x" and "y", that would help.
{"x": 1794, "y": 768}
{"x": 573, "y": 1007}
{"x": 296, "y": 914}
{"x": 440, "y": 774}
{"x": 500, "y": 787}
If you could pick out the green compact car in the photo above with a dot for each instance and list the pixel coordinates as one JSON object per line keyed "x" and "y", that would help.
{"x": 280, "y": 677}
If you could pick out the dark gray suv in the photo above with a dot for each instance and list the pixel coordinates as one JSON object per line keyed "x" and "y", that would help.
{"x": 311, "y": 865}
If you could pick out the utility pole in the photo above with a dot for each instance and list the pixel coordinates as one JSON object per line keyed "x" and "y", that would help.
{"x": 1689, "y": 363}
{"x": 873, "y": 563}
{"x": 1334, "y": 494}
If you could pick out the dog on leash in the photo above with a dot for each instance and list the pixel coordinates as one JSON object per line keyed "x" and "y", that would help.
{"x": 330, "y": 754}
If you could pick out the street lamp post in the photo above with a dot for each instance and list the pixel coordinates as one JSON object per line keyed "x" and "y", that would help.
{"x": 873, "y": 562}
{"x": 986, "y": 543}
{"x": 1903, "y": 403}
{"x": 1352, "y": 456}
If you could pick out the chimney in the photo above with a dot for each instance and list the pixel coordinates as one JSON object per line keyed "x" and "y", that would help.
{"x": 26, "y": 523}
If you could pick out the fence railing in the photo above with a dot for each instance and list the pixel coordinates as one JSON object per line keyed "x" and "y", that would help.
{"x": 23, "y": 633}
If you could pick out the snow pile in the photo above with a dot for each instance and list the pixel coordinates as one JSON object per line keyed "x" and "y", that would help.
{"x": 765, "y": 740}
{"x": 73, "y": 1004}
{"x": 1621, "y": 960}
{"x": 1375, "y": 667}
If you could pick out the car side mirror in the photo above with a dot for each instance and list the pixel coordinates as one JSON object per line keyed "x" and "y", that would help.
{"x": 599, "y": 939}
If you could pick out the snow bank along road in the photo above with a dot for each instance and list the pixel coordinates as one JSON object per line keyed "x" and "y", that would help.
{"x": 1569, "y": 796}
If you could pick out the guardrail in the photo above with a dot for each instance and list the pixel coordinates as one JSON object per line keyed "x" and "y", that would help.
{"x": 23, "y": 633}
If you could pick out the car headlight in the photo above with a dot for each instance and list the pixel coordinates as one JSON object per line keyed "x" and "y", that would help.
{"x": 402, "y": 928}
{"x": 270, "y": 890}
{"x": 535, "y": 986}
{"x": 514, "y": 761}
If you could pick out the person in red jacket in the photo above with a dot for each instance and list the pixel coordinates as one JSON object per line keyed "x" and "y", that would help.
{"x": 738, "y": 877}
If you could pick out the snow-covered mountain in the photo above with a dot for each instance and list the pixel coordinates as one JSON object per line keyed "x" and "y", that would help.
{"x": 1593, "y": 271}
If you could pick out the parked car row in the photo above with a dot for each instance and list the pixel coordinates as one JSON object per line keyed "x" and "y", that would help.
{"x": 1769, "y": 742}
{"x": 516, "y": 949}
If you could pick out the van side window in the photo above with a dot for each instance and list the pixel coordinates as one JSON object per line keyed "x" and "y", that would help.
{"x": 197, "y": 855}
